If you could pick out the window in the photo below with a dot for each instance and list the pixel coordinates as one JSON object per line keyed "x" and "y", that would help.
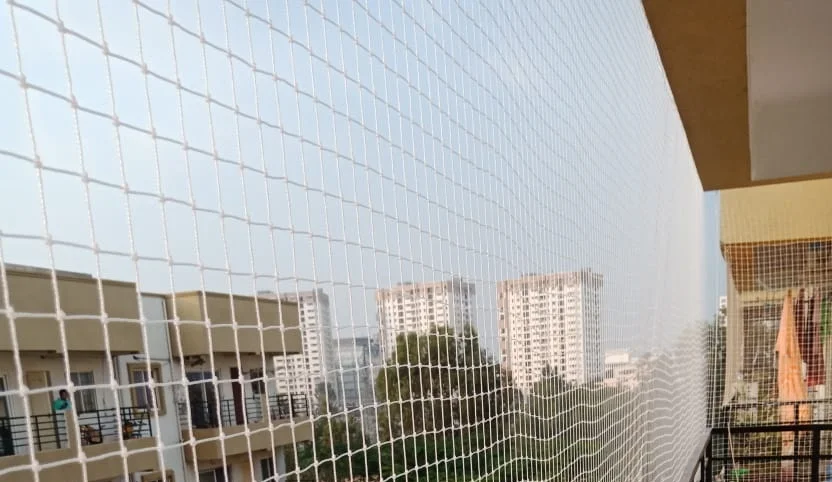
{"x": 85, "y": 397}
{"x": 267, "y": 469}
{"x": 258, "y": 384}
{"x": 4, "y": 405}
{"x": 140, "y": 394}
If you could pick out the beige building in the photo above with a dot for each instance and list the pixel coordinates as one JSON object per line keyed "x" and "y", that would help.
{"x": 774, "y": 239}
{"x": 417, "y": 307}
{"x": 554, "y": 321}
{"x": 183, "y": 389}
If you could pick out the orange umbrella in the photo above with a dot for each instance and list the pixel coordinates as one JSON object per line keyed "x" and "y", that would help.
{"x": 790, "y": 384}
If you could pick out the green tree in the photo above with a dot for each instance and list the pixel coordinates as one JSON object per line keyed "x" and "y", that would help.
{"x": 575, "y": 430}
{"x": 445, "y": 400}
{"x": 438, "y": 381}
{"x": 338, "y": 449}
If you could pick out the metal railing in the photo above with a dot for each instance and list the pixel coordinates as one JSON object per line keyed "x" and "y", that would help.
{"x": 227, "y": 412}
{"x": 744, "y": 449}
{"x": 288, "y": 405}
{"x": 49, "y": 431}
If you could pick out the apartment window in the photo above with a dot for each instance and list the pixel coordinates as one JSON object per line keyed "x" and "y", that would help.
{"x": 267, "y": 469}
{"x": 4, "y": 405}
{"x": 142, "y": 398}
{"x": 258, "y": 384}
{"x": 84, "y": 398}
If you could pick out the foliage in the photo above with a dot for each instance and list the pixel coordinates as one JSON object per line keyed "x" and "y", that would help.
{"x": 449, "y": 413}
{"x": 440, "y": 381}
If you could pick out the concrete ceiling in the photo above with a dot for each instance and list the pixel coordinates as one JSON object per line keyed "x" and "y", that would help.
{"x": 790, "y": 88}
{"x": 753, "y": 85}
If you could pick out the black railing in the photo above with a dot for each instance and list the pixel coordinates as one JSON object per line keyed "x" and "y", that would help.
{"x": 225, "y": 412}
{"x": 228, "y": 412}
{"x": 288, "y": 405}
{"x": 100, "y": 426}
{"x": 753, "y": 450}
{"x": 49, "y": 431}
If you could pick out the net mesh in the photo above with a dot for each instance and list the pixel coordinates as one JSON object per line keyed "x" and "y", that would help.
{"x": 770, "y": 345}
{"x": 346, "y": 240}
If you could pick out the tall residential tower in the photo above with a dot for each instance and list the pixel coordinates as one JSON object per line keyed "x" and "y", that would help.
{"x": 304, "y": 372}
{"x": 417, "y": 307}
{"x": 551, "y": 320}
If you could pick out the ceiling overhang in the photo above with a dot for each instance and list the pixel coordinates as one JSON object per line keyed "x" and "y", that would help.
{"x": 753, "y": 85}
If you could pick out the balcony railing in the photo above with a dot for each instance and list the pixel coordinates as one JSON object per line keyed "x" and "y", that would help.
{"x": 227, "y": 412}
{"x": 288, "y": 405}
{"x": 49, "y": 431}
{"x": 746, "y": 444}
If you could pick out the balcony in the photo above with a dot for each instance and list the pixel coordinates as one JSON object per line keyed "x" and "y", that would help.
{"x": 200, "y": 312}
{"x": 37, "y": 328}
{"x": 54, "y": 436}
{"x": 210, "y": 419}
{"x": 748, "y": 443}
{"x": 781, "y": 222}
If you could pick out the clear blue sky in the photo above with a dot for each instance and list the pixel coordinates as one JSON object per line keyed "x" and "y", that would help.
{"x": 369, "y": 145}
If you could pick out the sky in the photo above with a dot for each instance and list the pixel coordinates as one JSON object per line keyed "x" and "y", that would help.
{"x": 350, "y": 146}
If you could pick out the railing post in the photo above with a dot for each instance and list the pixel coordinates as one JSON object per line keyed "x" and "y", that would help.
{"x": 71, "y": 428}
{"x": 37, "y": 431}
{"x": 815, "y": 456}
{"x": 149, "y": 421}
{"x": 709, "y": 460}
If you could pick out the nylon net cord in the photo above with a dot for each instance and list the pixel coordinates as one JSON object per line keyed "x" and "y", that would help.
{"x": 344, "y": 240}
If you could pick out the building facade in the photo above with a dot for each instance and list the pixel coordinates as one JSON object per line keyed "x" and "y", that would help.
{"x": 621, "y": 370}
{"x": 551, "y": 320}
{"x": 418, "y": 307}
{"x": 181, "y": 383}
{"x": 307, "y": 371}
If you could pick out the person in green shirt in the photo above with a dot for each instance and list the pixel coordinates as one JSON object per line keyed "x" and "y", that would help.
{"x": 62, "y": 403}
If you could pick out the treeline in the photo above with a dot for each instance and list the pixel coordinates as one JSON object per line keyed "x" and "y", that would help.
{"x": 446, "y": 411}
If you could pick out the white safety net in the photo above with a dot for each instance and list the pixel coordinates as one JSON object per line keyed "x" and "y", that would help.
{"x": 771, "y": 356}
{"x": 347, "y": 240}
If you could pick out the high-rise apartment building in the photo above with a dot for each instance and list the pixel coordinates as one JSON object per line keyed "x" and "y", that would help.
{"x": 304, "y": 372}
{"x": 417, "y": 307}
{"x": 551, "y": 320}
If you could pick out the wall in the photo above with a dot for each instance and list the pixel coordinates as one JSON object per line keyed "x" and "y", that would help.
{"x": 166, "y": 426}
{"x": 781, "y": 212}
{"x": 56, "y": 366}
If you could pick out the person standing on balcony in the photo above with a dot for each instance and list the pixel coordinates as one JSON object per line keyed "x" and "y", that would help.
{"x": 62, "y": 402}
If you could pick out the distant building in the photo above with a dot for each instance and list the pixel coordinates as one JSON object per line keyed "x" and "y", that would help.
{"x": 722, "y": 314}
{"x": 354, "y": 371}
{"x": 417, "y": 307}
{"x": 303, "y": 373}
{"x": 551, "y": 320}
{"x": 621, "y": 370}
{"x": 354, "y": 379}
